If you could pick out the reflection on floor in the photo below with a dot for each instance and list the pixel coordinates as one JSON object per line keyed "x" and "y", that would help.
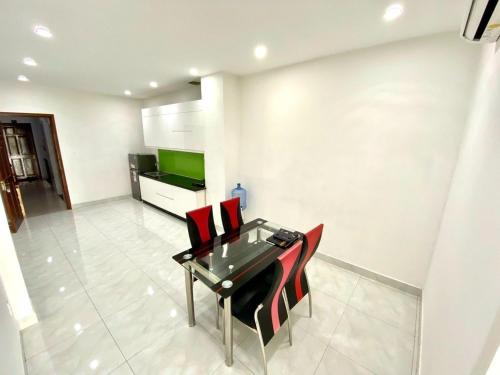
{"x": 40, "y": 198}
{"x": 111, "y": 300}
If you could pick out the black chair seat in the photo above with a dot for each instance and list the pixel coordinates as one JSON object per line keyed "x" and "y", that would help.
{"x": 268, "y": 275}
{"x": 245, "y": 300}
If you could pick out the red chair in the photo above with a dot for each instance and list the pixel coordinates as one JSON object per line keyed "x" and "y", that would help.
{"x": 264, "y": 308}
{"x": 298, "y": 285}
{"x": 201, "y": 226}
{"x": 230, "y": 211}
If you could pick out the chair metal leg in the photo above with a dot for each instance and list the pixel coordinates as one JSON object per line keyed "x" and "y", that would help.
{"x": 309, "y": 295}
{"x": 217, "y": 311}
{"x": 261, "y": 340}
{"x": 289, "y": 317}
{"x": 189, "y": 297}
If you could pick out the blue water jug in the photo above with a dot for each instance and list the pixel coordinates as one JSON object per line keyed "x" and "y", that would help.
{"x": 238, "y": 191}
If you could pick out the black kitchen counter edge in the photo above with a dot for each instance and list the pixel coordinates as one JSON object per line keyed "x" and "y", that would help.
{"x": 176, "y": 180}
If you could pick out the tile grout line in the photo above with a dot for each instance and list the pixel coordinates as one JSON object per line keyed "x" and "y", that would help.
{"x": 46, "y": 349}
{"x": 338, "y": 323}
{"x": 362, "y": 312}
{"x": 360, "y": 277}
{"x": 353, "y": 361}
{"x": 85, "y": 289}
{"x": 98, "y": 313}
{"x": 382, "y": 320}
{"x": 139, "y": 268}
{"x": 136, "y": 266}
{"x": 162, "y": 289}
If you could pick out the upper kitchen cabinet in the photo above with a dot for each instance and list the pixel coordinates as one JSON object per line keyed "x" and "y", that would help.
{"x": 175, "y": 126}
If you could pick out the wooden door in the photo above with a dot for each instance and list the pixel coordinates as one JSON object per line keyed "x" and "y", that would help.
{"x": 21, "y": 150}
{"x": 8, "y": 189}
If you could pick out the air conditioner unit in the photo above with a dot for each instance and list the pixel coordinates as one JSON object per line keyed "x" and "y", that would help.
{"x": 483, "y": 22}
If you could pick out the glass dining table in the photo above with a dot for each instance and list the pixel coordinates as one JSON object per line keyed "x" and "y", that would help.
{"x": 227, "y": 263}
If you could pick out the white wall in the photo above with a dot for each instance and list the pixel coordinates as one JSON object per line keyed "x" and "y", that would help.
{"x": 96, "y": 132}
{"x": 11, "y": 355}
{"x": 221, "y": 103}
{"x": 184, "y": 94}
{"x": 365, "y": 142}
{"x": 461, "y": 305}
{"x": 12, "y": 277}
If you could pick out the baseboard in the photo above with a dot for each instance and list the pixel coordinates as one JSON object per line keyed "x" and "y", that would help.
{"x": 27, "y": 321}
{"x": 90, "y": 203}
{"x": 407, "y": 288}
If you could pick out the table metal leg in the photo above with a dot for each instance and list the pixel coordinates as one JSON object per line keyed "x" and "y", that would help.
{"x": 228, "y": 331}
{"x": 189, "y": 297}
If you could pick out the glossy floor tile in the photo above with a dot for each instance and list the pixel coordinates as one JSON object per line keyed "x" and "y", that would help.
{"x": 183, "y": 350}
{"x": 145, "y": 322}
{"x": 335, "y": 362}
{"x": 302, "y": 358}
{"x": 373, "y": 343}
{"x": 64, "y": 320}
{"x": 110, "y": 300}
{"x": 385, "y": 303}
{"x": 93, "y": 351}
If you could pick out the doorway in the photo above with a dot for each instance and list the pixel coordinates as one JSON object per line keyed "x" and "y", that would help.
{"x": 32, "y": 174}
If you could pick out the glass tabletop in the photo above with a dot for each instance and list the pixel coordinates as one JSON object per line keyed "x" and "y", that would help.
{"x": 230, "y": 259}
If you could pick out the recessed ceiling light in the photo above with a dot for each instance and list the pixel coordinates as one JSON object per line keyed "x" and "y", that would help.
{"x": 153, "y": 84}
{"x": 29, "y": 61}
{"x": 22, "y": 78}
{"x": 194, "y": 72}
{"x": 42, "y": 31}
{"x": 260, "y": 52}
{"x": 392, "y": 12}
{"x": 127, "y": 92}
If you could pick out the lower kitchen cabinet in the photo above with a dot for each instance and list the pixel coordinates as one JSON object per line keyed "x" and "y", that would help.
{"x": 170, "y": 198}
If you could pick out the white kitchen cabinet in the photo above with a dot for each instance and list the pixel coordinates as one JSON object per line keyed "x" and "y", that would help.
{"x": 171, "y": 198}
{"x": 176, "y": 126}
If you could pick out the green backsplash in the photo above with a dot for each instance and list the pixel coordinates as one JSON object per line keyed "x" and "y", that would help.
{"x": 188, "y": 164}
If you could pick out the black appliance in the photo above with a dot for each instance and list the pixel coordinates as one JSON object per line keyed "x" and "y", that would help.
{"x": 137, "y": 164}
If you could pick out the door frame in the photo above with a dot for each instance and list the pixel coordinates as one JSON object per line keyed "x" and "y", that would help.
{"x": 57, "y": 149}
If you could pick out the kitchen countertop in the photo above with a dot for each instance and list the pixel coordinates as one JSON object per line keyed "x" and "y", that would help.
{"x": 179, "y": 181}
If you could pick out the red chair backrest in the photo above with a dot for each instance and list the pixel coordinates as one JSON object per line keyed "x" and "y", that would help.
{"x": 201, "y": 226}
{"x": 230, "y": 211}
{"x": 273, "y": 313}
{"x": 297, "y": 286}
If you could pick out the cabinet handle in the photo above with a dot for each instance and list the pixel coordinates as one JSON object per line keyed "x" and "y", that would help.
{"x": 164, "y": 196}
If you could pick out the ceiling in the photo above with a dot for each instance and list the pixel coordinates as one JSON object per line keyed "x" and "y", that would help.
{"x": 108, "y": 46}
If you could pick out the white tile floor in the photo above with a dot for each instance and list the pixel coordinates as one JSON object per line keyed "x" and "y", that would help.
{"x": 111, "y": 300}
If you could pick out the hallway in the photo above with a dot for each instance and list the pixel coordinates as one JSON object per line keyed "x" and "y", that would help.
{"x": 39, "y": 197}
